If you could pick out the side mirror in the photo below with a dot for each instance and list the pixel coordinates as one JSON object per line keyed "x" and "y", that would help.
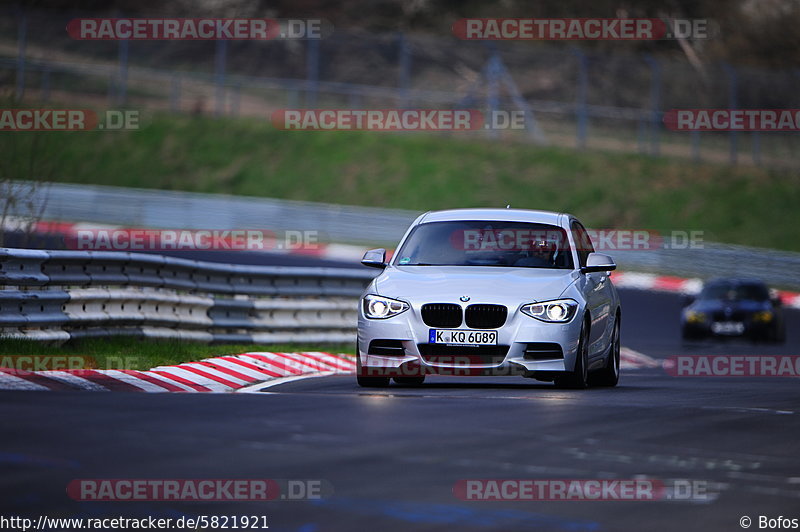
{"x": 597, "y": 262}
{"x": 375, "y": 258}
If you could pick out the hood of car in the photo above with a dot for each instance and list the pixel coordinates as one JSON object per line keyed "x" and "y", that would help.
{"x": 481, "y": 284}
{"x": 741, "y": 305}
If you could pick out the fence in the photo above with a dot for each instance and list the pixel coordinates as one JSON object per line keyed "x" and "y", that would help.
{"x": 578, "y": 98}
{"x": 58, "y": 295}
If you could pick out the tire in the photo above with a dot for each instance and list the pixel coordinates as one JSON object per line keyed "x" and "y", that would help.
{"x": 578, "y": 379}
{"x": 609, "y": 375}
{"x": 414, "y": 381}
{"x": 368, "y": 382}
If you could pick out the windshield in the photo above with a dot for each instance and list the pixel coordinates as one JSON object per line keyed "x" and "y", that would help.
{"x": 486, "y": 243}
{"x": 731, "y": 291}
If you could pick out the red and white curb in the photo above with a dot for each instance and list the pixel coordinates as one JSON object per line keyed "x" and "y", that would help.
{"x": 245, "y": 372}
{"x": 630, "y": 359}
{"x": 218, "y": 374}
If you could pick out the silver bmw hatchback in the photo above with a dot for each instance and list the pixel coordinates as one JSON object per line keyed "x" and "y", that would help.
{"x": 491, "y": 292}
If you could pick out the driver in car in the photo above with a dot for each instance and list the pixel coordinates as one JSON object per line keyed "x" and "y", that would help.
{"x": 540, "y": 255}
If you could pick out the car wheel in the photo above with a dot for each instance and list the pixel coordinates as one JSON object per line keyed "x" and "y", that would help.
{"x": 579, "y": 377}
{"x": 368, "y": 382}
{"x": 609, "y": 375}
{"x": 416, "y": 381}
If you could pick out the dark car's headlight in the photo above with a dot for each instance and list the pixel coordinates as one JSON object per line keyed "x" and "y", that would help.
{"x": 692, "y": 316}
{"x": 765, "y": 316}
{"x": 379, "y": 307}
{"x": 556, "y": 311}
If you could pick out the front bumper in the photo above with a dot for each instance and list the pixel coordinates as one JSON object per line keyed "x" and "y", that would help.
{"x": 524, "y": 337}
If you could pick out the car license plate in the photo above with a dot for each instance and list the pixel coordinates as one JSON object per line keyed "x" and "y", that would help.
{"x": 727, "y": 327}
{"x": 462, "y": 337}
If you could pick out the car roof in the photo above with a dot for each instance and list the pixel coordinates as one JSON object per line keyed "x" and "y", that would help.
{"x": 506, "y": 215}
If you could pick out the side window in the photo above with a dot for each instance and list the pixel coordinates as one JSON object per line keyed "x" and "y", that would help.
{"x": 583, "y": 243}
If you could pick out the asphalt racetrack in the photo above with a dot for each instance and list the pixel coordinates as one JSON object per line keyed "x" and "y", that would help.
{"x": 393, "y": 456}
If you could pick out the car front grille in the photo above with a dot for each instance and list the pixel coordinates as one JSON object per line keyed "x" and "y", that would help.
{"x": 486, "y": 316}
{"x": 542, "y": 351}
{"x": 736, "y": 315}
{"x": 442, "y": 315}
{"x": 482, "y": 355}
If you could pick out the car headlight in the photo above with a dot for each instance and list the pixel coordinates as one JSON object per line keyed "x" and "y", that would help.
{"x": 693, "y": 316}
{"x": 763, "y": 316}
{"x": 556, "y": 311}
{"x": 379, "y": 307}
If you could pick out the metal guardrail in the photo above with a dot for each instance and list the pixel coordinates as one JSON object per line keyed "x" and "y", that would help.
{"x": 779, "y": 269}
{"x": 365, "y": 226}
{"x": 58, "y": 295}
{"x": 133, "y": 207}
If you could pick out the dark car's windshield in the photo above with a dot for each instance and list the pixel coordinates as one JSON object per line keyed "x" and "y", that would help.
{"x": 735, "y": 291}
{"x": 486, "y": 243}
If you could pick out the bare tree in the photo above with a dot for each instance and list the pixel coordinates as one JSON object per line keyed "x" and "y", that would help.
{"x": 24, "y": 176}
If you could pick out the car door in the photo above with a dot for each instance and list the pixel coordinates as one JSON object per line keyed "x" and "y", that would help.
{"x": 596, "y": 287}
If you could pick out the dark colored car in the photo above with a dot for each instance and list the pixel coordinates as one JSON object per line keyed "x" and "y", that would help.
{"x": 734, "y": 307}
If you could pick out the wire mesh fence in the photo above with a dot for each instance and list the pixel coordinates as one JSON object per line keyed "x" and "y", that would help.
{"x": 572, "y": 97}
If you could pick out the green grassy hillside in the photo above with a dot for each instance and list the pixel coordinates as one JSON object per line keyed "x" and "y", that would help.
{"x": 413, "y": 171}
